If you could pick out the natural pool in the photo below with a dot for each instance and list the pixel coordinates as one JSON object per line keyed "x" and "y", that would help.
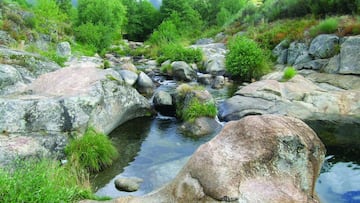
{"x": 153, "y": 149}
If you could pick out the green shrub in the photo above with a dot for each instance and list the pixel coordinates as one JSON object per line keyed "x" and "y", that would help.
{"x": 268, "y": 35}
{"x": 245, "y": 59}
{"x": 164, "y": 34}
{"x": 327, "y": 26}
{"x": 196, "y": 109}
{"x": 99, "y": 22}
{"x": 176, "y": 52}
{"x": 93, "y": 151}
{"x": 98, "y": 36}
{"x": 289, "y": 73}
{"x": 43, "y": 181}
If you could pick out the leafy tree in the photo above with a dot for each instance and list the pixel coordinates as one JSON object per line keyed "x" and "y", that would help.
{"x": 107, "y": 12}
{"x": 166, "y": 33}
{"x": 142, "y": 19}
{"x": 210, "y": 8}
{"x": 222, "y": 16}
{"x": 99, "y": 22}
{"x": 64, "y": 5}
{"x": 188, "y": 20}
{"x": 49, "y": 18}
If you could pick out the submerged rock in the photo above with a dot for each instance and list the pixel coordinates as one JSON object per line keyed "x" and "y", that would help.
{"x": 164, "y": 104}
{"x": 128, "y": 184}
{"x": 257, "y": 159}
{"x": 200, "y": 127}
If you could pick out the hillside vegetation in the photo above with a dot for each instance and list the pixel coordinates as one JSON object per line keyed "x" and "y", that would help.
{"x": 94, "y": 25}
{"x": 249, "y": 28}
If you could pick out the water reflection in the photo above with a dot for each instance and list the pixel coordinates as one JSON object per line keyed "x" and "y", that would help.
{"x": 339, "y": 180}
{"x": 160, "y": 152}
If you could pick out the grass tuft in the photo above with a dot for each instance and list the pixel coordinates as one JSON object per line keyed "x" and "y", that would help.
{"x": 289, "y": 73}
{"x": 93, "y": 151}
{"x": 196, "y": 109}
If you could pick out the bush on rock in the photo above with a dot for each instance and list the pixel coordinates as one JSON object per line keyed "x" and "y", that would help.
{"x": 246, "y": 59}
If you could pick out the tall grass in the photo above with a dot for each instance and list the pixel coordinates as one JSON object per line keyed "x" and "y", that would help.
{"x": 43, "y": 181}
{"x": 327, "y": 26}
{"x": 93, "y": 151}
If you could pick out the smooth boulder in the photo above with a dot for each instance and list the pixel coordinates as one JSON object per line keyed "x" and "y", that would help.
{"x": 182, "y": 71}
{"x": 66, "y": 102}
{"x": 299, "y": 97}
{"x": 256, "y": 159}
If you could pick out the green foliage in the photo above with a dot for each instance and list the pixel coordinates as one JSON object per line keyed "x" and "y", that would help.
{"x": 328, "y": 26}
{"x": 166, "y": 68}
{"x": 53, "y": 56}
{"x": 142, "y": 19}
{"x": 83, "y": 49}
{"x": 166, "y": 33}
{"x": 176, "y": 52}
{"x": 65, "y": 6}
{"x": 222, "y": 10}
{"x": 106, "y": 64}
{"x": 270, "y": 35}
{"x": 43, "y": 181}
{"x": 98, "y": 36}
{"x": 197, "y": 109}
{"x": 92, "y": 151}
{"x": 99, "y": 22}
{"x": 222, "y": 17}
{"x": 49, "y": 18}
{"x": 289, "y": 73}
{"x": 185, "y": 18}
{"x": 245, "y": 59}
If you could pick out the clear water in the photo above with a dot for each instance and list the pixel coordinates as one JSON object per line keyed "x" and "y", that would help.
{"x": 339, "y": 180}
{"x": 153, "y": 149}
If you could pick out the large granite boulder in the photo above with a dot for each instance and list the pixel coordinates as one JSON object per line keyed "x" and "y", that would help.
{"x": 67, "y": 101}
{"x": 324, "y": 46}
{"x": 350, "y": 56}
{"x": 298, "y": 97}
{"x": 257, "y": 159}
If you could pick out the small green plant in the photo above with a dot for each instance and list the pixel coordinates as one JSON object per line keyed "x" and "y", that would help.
{"x": 106, "y": 64}
{"x": 183, "y": 89}
{"x": 196, "y": 109}
{"x": 328, "y": 26}
{"x": 245, "y": 59}
{"x": 43, "y": 181}
{"x": 166, "y": 68}
{"x": 93, "y": 151}
{"x": 289, "y": 73}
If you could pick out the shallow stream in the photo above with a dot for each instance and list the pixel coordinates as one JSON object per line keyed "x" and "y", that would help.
{"x": 155, "y": 150}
